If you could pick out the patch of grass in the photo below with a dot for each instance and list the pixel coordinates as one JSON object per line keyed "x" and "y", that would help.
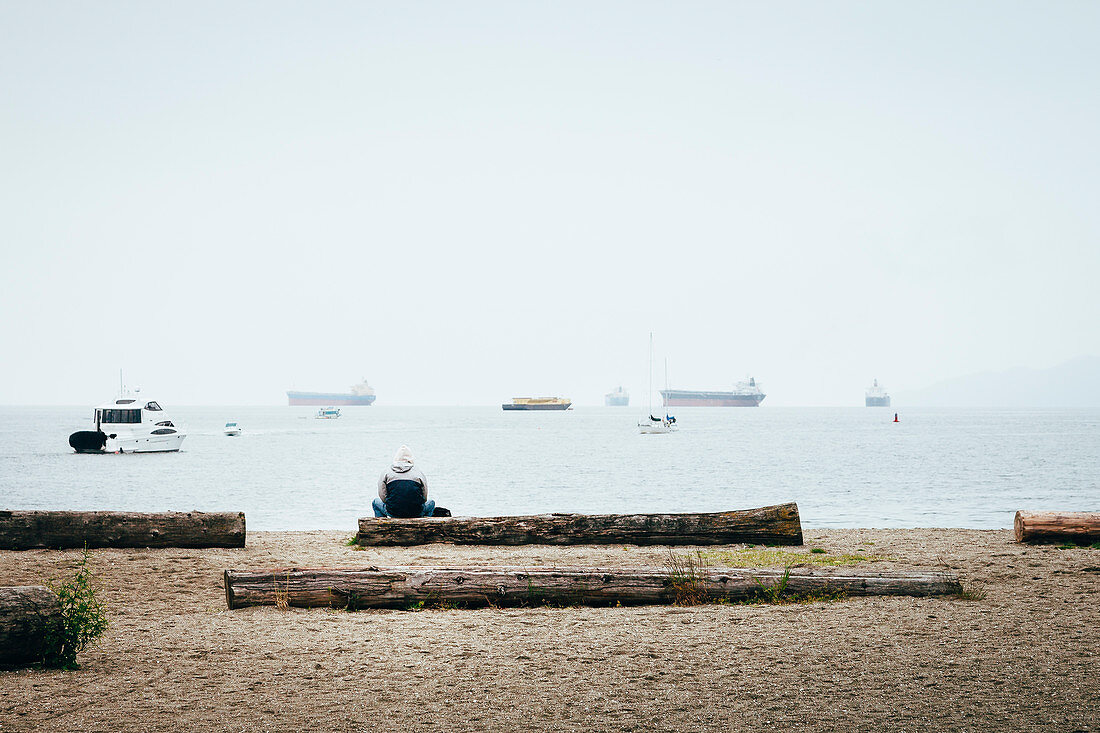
{"x": 83, "y": 618}
{"x": 352, "y": 541}
{"x": 754, "y": 557}
{"x": 1095, "y": 546}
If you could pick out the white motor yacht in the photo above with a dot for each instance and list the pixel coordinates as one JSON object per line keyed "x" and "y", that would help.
{"x": 232, "y": 428}
{"x": 135, "y": 424}
{"x": 328, "y": 413}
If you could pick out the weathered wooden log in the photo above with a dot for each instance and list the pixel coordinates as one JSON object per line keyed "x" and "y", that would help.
{"x": 772, "y": 525}
{"x": 402, "y": 587}
{"x": 1077, "y": 527}
{"x": 25, "y": 613}
{"x": 25, "y": 530}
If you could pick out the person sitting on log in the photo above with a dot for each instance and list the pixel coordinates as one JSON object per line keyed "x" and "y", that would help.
{"x": 403, "y": 489}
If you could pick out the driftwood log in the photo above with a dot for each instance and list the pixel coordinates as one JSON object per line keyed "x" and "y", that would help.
{"x": 25, "y": 530}
{"x": 1077, "y": 527}
{"x": 25, "y": 613}
{"x": 772, "y": 525}
{"x": 402, "y": 587}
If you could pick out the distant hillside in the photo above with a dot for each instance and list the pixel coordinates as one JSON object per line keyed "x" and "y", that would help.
{"x": 1073, "y": 384}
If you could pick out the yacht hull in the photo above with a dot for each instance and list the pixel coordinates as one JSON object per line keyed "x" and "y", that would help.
{"x": 149, "y": 443}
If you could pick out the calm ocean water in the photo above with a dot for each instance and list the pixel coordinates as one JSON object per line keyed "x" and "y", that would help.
{"x": 846, "y": 467}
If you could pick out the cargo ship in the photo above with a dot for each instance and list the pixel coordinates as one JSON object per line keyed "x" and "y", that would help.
{"x": 744, "y": 394}
{"x": 538, "y": 403}
{"x": 619, "y": 398}
{"x": 876, "y": 396}
{"x": 361, "y": 394}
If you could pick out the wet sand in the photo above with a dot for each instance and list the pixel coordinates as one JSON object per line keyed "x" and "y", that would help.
{"x": 1024, "y": 657}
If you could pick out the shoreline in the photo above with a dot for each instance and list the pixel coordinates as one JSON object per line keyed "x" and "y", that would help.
{"x": 1023, "y": 656}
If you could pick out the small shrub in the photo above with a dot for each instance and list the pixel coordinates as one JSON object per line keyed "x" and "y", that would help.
{"x": 83, "y": 618}
{"x": 818, "y": 551}
{"x": 687, "y": 579}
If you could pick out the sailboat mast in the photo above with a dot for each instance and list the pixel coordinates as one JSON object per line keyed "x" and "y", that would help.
{"x": 663, "y": 398}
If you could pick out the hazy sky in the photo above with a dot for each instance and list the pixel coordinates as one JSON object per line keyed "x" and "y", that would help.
{"x": 466, "y": 201}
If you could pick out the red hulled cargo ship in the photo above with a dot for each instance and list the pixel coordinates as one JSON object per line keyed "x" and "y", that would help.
{"x": 360, "y": 394}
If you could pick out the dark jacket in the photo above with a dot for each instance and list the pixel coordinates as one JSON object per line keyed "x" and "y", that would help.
{"x": 404, "y": 489}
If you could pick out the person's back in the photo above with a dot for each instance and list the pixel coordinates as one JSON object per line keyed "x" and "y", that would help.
{"x": 403, "y": 489}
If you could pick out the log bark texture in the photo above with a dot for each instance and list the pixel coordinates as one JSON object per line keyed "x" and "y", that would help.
{"x": 402, "y": 587}
{"x": 773, "y": 525}
{"x": 25, "y": 612}
{"x": 1077, "y": 527}
{"x": 25, "y": 530}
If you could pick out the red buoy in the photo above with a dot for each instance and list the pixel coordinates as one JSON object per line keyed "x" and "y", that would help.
{"x": 896, "y": 417}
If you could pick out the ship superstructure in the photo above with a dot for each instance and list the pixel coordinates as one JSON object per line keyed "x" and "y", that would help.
{"x": 876, "y": 396}
{"x": 744, "y": 394}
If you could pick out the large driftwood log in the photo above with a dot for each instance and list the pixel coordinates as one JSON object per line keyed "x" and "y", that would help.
{"x": 772, "y": 525}
{"x": 25, "y": 530}
{"x": 1078, "y": 527}
{"x": 401, "y": 587}
{"x": 25, "y": 612}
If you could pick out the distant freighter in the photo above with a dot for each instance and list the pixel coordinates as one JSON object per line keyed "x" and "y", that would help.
{"x": 538, "y": 403}
{"x": 619, "y": 398}
{"x": 361, "y": 394}
{"x": 876, "y": 396}
{"x": 745, "y": 394}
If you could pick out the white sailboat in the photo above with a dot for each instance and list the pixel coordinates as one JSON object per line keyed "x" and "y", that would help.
{"x": 650, "y": 425}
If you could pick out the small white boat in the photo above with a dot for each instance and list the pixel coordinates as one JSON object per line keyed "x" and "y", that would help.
{"x": 232, "y": 428}
{"x": 656, "y": 425}
{"x": 129, "y": 424}
{"x": 328, "y": 413}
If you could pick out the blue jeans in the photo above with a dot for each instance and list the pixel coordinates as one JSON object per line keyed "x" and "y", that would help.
{"x": 380, "y": 508}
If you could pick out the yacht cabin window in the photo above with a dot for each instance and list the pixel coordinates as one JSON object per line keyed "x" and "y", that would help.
{"x": 152, "y": 407}
{"x": 119, "y": 416}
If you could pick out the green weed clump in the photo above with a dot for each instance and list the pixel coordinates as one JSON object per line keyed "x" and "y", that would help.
{"x": 352, "y": 541}
{"x": 83, "y": 618}
{"x": 778, "y": 594}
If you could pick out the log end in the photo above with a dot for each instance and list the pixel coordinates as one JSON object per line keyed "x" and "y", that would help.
{"x": 1018, "y": 526}
{"x": 228, "y": 590}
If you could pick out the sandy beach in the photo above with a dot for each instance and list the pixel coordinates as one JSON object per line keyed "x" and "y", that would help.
{"x": 1023, "y": 656}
